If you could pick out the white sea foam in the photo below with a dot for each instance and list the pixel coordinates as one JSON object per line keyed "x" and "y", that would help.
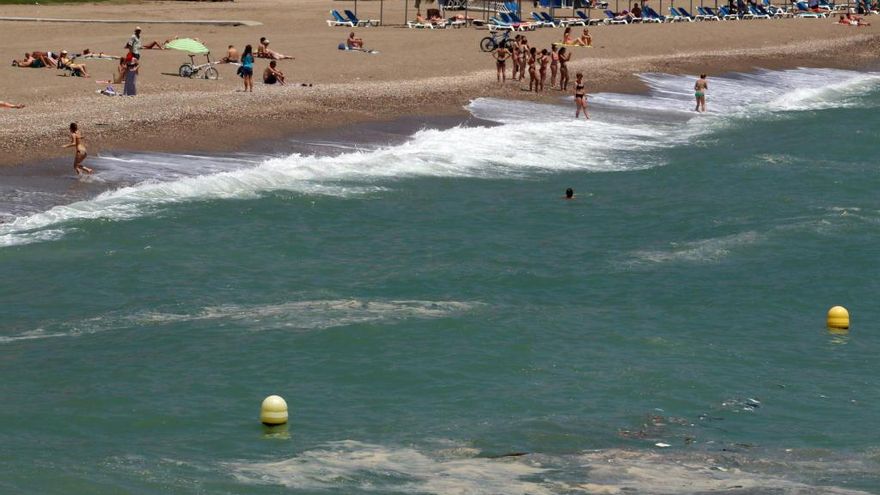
{"x": 295, "y": 315}
{"x": 700, "y": 251}
{"x": 532, "y": 138}
{"x": 349, "y": 466}
{"x": 620, "y": 471}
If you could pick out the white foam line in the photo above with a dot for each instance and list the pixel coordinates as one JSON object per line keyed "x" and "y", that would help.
{"x": 299, "y": 315}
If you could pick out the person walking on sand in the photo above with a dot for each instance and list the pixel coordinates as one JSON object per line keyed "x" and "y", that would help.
{"x": 580, "y": 96}
{"x": 6, "y": 104}
{"x": 700, "y": 88}
{"x": 80, "y": 154}
{"x": 246, "y": 71}
{"x": 501, "y": 55}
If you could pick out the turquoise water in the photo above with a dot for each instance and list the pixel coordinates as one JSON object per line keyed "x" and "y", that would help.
{"x": 427, "y": 307}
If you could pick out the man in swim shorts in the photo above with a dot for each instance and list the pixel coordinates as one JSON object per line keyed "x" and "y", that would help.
{"x": 700, "y": 88}
{"x": 272, "y": 75}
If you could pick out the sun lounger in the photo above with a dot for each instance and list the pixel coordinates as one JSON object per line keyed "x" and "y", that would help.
{"x": 537, "y": 19}
{"x": 562, "y": 22}
{"x": 756, "y": 14}
{"x": 360, "y": 22}
{"x": 705, "y": 15}
{"x": 517, "y": 20}
{"x": 507, "y": 19}
{"x": 804, "y": 12}
{"x": 677, "y": 16}
{"x": 725, "y": 14}
{"x": 685, "y": 13}
{"x": 649, "y": 15}
{"x": 338, "y": 20}
{"x": 610, "y": 18}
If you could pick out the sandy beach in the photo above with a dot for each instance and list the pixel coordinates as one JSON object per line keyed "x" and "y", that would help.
{"x": 417, "y": 72}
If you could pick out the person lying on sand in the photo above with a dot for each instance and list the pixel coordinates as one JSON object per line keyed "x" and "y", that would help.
{"x": 231, "y": 56}
{"x": 272, "y": 75}
{"x": 263, "y": 51}
{"x": 34, "y": 60}
{"x": 856, "y": 20}
{"x": 6, "y": 104}
{"x": 354, "y": 43}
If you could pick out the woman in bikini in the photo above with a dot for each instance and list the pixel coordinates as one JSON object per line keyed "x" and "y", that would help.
{"x": 700, "y": 88}
{"x": 501, "y": 55}
{"x": 580, "y": 96}
{"x": 533, "y": 73}
{"x": 566, "y": 36}
{"x": 514, "y": 56}
{"x": 542, "y": 72}
{"x": 554, "y": 65}
{"x": 564, "y": 57}
{"x": 76, "y": 141}
{"x": 524, "y": 52}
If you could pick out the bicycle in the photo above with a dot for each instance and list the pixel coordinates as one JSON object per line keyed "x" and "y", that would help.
{"x": 494, "y": 41}
{"x": 190, "y": 69}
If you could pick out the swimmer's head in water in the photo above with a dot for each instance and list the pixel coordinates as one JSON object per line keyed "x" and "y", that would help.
{"x": 73, "y": 127}
{"x": 569, "y": 193}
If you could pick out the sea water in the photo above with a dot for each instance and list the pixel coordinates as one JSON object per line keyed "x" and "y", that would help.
{"x": 441, "y": 321}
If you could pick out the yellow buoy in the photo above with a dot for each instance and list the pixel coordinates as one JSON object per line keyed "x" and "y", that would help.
{"x": 273, "y": 411}
{"x": 838, "y": 317}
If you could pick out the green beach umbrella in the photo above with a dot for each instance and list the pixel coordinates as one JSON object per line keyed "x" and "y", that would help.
{"x": 187, "y": 45}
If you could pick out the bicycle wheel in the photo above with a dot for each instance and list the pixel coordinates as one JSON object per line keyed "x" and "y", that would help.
{"x": 185, "y": 70}
{"x": 487, "y": 44}
{"x": 212, "y": 74}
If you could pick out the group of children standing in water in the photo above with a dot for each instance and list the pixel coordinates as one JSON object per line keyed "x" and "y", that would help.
{"x": 527, "y": 59}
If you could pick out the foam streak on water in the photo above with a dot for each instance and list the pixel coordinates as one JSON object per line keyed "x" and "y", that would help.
{"x": 532, "y": 138}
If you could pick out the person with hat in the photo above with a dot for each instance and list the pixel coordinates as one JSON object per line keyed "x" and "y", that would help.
{"x": 263, "y": 51}
{"x": 65, "y": 62}
{"x": 135, "y": 43}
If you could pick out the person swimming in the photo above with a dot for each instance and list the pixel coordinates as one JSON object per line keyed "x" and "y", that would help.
{"x": 569, "y": 193}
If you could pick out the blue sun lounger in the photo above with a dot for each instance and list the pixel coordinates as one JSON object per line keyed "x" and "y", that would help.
{"x": 338, "y": 20}
{"x": 361, "y": 22}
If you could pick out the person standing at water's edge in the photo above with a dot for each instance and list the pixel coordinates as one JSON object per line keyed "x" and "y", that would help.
{"x": 700, "y": 88}
{"x": 246, "y": 71}
{"x": 80, "y": 154}
{"x": 580, "y": 96}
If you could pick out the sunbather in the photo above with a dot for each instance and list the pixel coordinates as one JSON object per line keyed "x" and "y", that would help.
{"x": 6, "y": 104}
{"x": 64, "y": 62}
{"x": 231, "y": 56}
{"x": 354, "y": 43}
{"x": 585, "y": 39}
{"x": 263, "y": 51}
{"x": 856, "y": 20}
{"x": 272, "y": 75}
{"x": 34, "y": 60}
{"x": 566, "y": 36}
